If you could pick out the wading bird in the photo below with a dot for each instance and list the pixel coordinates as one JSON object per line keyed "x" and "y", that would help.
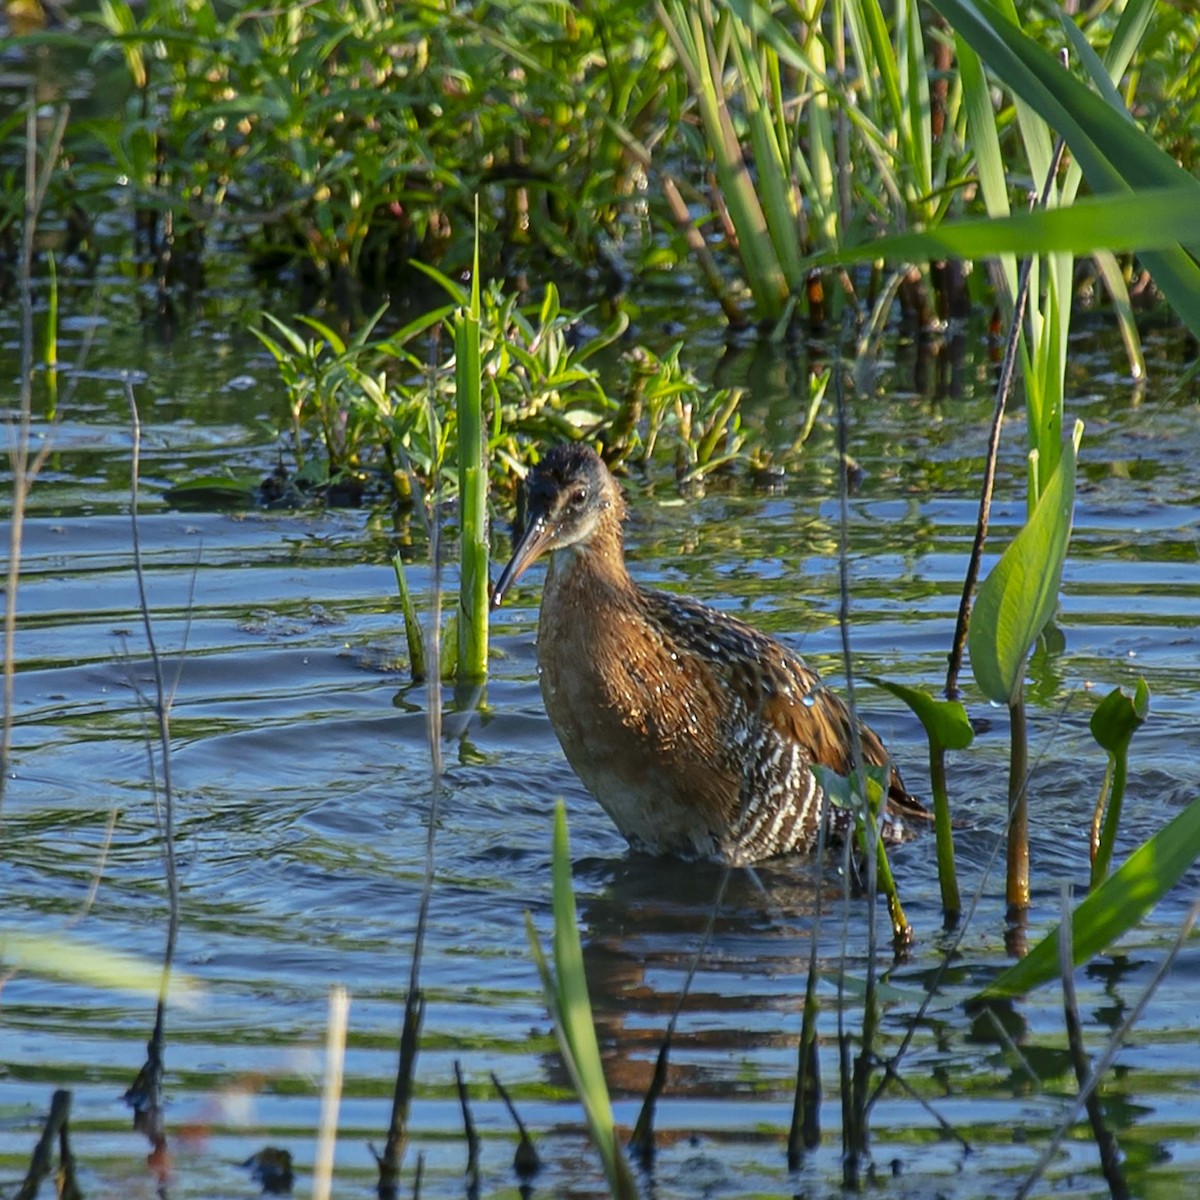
{"x": 695, "y": 732}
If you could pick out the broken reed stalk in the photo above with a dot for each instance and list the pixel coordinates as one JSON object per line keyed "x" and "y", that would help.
{"x": 855, "y": 1080}
{"x": 331, "y": 1092}
{"x": 1106, "y": 1144}
{"x": 145, "y": 1096}
{"x": 25, "y": 467}
{"x": 1101, "y": 1065}
{"x": 41, "y": 1162}
{"x": 1003, "y": 390}
{"x": 525, "y": 1162}
{"x": 641, "y": 1143}
{"x": 464, "y": 1101}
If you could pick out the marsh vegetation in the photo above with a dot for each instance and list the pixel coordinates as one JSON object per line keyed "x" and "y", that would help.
{"x": 305, "y": 289}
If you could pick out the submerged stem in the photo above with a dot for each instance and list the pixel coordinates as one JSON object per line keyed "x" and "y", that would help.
{"x": 1017, "y": 887}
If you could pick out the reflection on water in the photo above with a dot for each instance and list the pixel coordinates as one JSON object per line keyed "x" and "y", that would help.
{"x": 301, "y": 767}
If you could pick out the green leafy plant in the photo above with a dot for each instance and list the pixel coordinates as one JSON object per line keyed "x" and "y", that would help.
{"x": 374, "y": 407}
{"x": 1015, "y": 603}
{"x": 946, "y": 728}
{"x": 1113, "y": 908}
{"x": 862, "y": 795}
{"x": 1116, "y": 719}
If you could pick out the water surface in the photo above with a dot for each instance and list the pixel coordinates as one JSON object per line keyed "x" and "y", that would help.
{"x": 302, "y": 777}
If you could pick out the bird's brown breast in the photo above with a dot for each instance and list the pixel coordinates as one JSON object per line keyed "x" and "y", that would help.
{"x": 639, "y": 718}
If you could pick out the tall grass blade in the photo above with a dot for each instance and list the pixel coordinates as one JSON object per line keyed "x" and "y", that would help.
{"x": 472, "y": 485}
{"x": 1138, "y": 221}
{"x": 1114, "y": 282}
{"x": 1115, "y": 155}
{"x": 571, "y": 1010}
{"x": 412, "y": 626}
{"x": 692, "y": 31}
{"x": 985, "y": 142}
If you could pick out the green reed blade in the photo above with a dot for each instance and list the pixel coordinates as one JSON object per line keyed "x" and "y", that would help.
{"x": 571, "y": 1010}
{"x": 692, "y": 30}
{"x": 472, "y": 486}
{"x": 1115, "y": 155}
{"x": 412, "y": 627}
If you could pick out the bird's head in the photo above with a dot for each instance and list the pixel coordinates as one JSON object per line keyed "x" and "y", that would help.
{"x": 566, "y": 499}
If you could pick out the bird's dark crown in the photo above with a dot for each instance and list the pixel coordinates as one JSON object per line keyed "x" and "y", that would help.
{"x": 568, "y": 498}
{"x": 569, "y": 487}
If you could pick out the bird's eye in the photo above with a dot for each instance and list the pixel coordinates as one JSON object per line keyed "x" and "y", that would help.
{"x": 578, "y": 498}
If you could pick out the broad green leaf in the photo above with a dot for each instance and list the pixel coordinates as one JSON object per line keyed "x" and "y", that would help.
{"x": 849, "y": 793}
{"x": 1139, "y": 221}
{"x": 1113, "y": 908}
{"x": 1118, "y": 717}
{"x": 1018, "y": 597}
{"x": 947, "y": 728}
{"x": 945, "y": 721}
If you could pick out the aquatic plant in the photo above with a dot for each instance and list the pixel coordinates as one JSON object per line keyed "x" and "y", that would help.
{"x": 473, "y": 585}
{"x": 946, "y": 728}
{"x": 818, "y": 128}
{"x": 347, "y": 139}
{"x": 368, "y": 410}
{"x": 1015, "y": 603}
{"x": 1116, "y": 719}
{"x": 566, "y": 992}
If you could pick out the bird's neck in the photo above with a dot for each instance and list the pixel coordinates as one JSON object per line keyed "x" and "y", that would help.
{"x": 598, "y": 563}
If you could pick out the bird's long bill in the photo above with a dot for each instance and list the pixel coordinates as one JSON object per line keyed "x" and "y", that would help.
{"x": 533, "y": 541}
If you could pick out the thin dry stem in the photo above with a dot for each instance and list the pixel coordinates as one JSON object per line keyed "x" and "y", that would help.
{"x": 24, "y": 467}
{"x": 1101, "y": 1065}
{"x": 472, "y": 1136}
{"x": 41, "y": 1162}
{"x": 525, "y": 1162}
{"x": 855, "y": 1080}
{"x": 1003, "y": 390}
{"x": 145, "y": 1096}
{"x": 1106, "y": 1144}
{"x": 414, "y": 1003}
{"x": 331, "y": 1092}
